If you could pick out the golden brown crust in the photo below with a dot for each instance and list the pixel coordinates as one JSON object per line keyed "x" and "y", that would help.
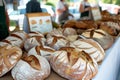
{"x": 7, "y": 53}
{"x": 33, "y": 61}
{"x": 73, "y": 64}
{"x": 102, "y": 37}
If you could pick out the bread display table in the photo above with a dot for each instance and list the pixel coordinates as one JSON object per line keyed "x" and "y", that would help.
{"x": 108, "y": 70}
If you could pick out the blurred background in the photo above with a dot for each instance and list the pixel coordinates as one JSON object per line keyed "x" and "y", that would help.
{"x": 16, "y": 9}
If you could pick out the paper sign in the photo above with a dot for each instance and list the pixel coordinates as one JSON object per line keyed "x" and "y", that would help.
{"x": 40, "y": 22}
{"x": 96, "y": 14}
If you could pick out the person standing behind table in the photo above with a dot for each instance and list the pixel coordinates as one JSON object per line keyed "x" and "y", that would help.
{"x": 65, "y": 15}
{"x": 85, "y": 9}
{"x": 4, "y": 21}
{"x": 33, "y": 6}
{"x": 60, "y": 8}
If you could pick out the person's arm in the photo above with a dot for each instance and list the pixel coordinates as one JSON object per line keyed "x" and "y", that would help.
{"x": 71, "y": 15}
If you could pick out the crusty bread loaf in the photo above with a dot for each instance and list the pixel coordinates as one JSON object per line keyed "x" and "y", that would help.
{"x": 16, "y": 38}
{"x": 102, "y": 37}
{"x": 31, "y": 67}
{"x": 69, "y": 31}
{"x": 9, "y": 56}
{"x": 112, "y": 28}
{"x": 35, "y": 33}
{"x": 56, "y": 42}
{"x": 85, "y": 24}
{"x": 55, "y": 32}
{"x": 109, "y": 30}
{"x": 33, "y": 41}
{"x": 73, "y": 64}
{"x": 3, "y": 43}
{"x": 91, "y": 47}
{"x": 20, "y": 34}
{"x": 35, "y": 38}
{"x": 44, "y": 51}
{"x": 69, "y": 23}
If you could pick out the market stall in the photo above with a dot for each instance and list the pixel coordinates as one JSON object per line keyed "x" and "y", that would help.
{"x": 89, "y": 44}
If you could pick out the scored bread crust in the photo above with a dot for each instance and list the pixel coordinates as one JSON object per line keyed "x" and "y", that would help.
{"x": 32, "y": 67}
{"x": 73, "y": 64}
{"x": 16, "y": 39}
{"x": 9, "y": 56}
{"x": 91, "y": 47}
{"x": 103, "y": 38}
{"x": 56, "y": 42}
{"x": 44, "y": 51}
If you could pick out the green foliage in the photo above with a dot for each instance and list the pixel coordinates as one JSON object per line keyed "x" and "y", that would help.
{"x": 39, "y": 0}
{"x": 117, "y": 2}
{"x": 51, "y": 4}
{"x": 12, "y": 23}
{"x": 107, "y": 1}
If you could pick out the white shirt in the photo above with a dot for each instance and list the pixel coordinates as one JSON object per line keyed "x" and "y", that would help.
{"x": 59, "y": 5}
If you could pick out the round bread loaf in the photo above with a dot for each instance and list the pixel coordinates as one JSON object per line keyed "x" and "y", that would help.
{"x": 3, "y": 43}
{"x": 20, "y": 34}
{"x": 31, "y": 67}
{"x": 69, "y": 32}
{"x": 102, "y": 37}
{"x": 91, "y": 47}
{"x": 112, "y": 28}
{"x": 55, "y": 32}
{"x": 44, "y": 51}
{"x": 33, "y": 41}
{"x": 16, "y": 38}
{"x": 73, "y": 64}
{"x": 56, "y": 42}
{"x": 9, "y": 56}
{"x": 35, "y": 33}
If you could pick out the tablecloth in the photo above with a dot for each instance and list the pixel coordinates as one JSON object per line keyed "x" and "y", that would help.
{"x": 109, "y": 68}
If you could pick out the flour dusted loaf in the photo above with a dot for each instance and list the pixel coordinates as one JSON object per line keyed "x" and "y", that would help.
{"x": 56, "y": 42}
{"x": 44, "y": 51}
{"x": 55, "y": 32}
{"x": 69, "y": 31}
{"x": 34, "y": 39}
{"x": 9, "y": 56}
{"x": 73, "y": 64}
{"x": 102, "y": 37}
{"x": 31, "y": 67}
{"x": 16, "y": 39}
{"x": 91, "y": 47}
{"x": 112, "y": 28}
